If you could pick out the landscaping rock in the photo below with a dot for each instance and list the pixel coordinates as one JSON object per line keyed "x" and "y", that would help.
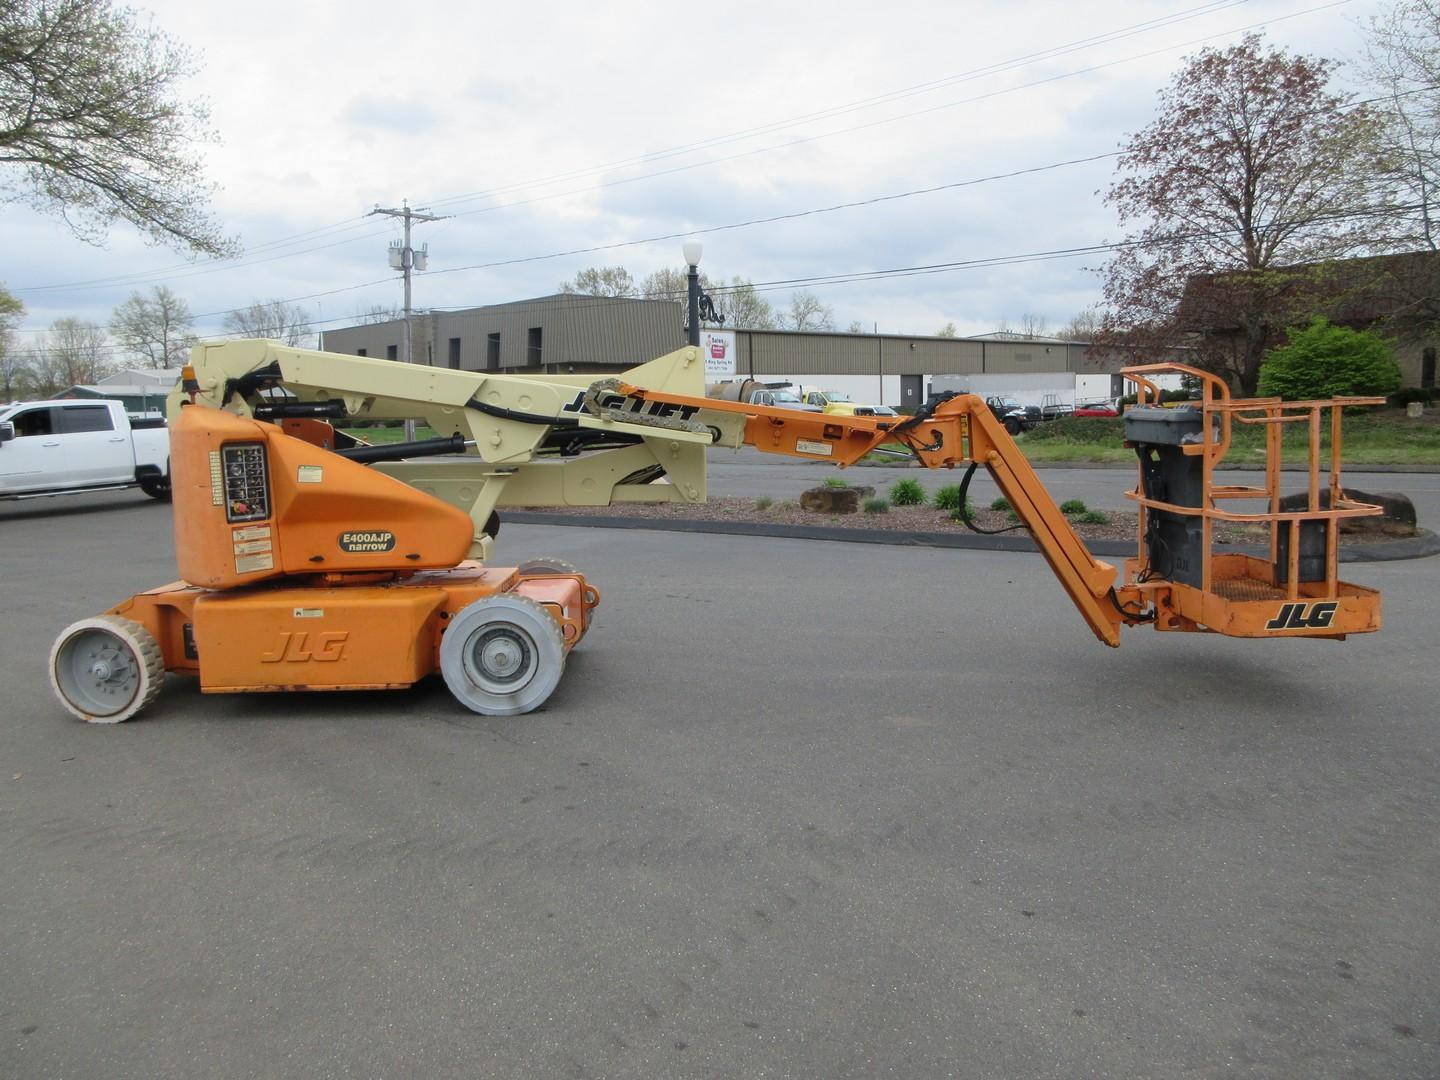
{"x": 834, "y": 500}
{"x": 1397, "y": 520}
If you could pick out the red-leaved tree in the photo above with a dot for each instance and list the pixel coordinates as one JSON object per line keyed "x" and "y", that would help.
{"x": 1250, "y": 177}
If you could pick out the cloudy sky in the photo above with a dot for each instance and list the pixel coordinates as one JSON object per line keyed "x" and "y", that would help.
{"x": 564, "y": 135}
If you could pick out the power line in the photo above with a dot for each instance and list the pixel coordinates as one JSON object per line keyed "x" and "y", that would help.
{"x": 860, "y": 276}
{"x": 821, "y": 114}
{"x": 1214, "y": 6}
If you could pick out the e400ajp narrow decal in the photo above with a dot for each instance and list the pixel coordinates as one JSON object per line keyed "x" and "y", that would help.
{"x": 1303, "y": 616}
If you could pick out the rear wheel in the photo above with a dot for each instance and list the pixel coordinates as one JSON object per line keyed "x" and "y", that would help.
{"x": 547, "y": 565}
{"x": 106, "y": 669}
{"x": 157, "y": 487}
{"x": 502, "y": 655}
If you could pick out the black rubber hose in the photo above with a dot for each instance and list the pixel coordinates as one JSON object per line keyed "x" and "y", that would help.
{"x": 369, "y": 455}
{"x": 965, "y": 513}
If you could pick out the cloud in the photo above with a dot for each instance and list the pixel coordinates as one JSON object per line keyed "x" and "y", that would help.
{"x": 391, "y": 114}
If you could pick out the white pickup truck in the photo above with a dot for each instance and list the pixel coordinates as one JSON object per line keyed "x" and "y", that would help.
{"x": 75, "y": 445}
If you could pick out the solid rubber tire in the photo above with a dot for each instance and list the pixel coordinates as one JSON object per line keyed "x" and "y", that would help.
{"x": 545, "y": 564}
{"x": 132, "y": 642}
{"x": 502, "y": 624}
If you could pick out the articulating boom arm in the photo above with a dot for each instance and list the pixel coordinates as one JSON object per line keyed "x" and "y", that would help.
{"x": 948, "y": 431}
{"x": 1176, "y": 581}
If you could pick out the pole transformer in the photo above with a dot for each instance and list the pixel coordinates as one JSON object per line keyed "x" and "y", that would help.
{"x": 406, "y": 261}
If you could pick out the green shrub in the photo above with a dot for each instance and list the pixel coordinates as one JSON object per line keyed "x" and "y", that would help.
{"x": 1167, "y": 395}
{"x": 876, "y": 506}
{"x": 947, "y": 497}
{"x": 1001, "y": 503}
{"x": 836, "y": 482}
{"x": 1322, "y": 361}
{"x": 1080, "y": 429}
{"x": 1093, "y": 517}
{"x": 956, "y": 515}
{"x": 907, "y": 492}
{"x": 1073, "y": 506}
{"x": 764, "y": 502}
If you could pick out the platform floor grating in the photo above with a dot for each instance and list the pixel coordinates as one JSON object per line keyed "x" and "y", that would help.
{"x": 1244, "y": 589}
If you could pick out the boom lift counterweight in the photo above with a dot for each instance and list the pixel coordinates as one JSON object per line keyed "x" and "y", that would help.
{"x": 305, "y": 570}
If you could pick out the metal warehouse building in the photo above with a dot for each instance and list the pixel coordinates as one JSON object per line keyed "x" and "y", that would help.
{"x": 569, "y": 333}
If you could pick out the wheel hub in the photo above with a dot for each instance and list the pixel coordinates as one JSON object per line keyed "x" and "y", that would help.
{"x": 502, "y": 655}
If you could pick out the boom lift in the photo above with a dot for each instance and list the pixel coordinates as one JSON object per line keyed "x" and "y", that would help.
{"x": 311, "y": 564}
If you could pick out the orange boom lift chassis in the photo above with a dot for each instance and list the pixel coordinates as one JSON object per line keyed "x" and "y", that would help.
{"x": 311, "y": 564}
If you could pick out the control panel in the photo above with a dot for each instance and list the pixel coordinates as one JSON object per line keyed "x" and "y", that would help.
{"x": 246, "y": 483}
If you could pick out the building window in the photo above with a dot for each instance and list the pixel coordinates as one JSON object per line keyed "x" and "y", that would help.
{"x": 1023, "y": 356}
{"x": 455, "y": 352}
{"x": 532, "y": 347}
{"x": 492, "y": 352}
{"x": 362, "y": 352}
{"x": 392, "y": 352}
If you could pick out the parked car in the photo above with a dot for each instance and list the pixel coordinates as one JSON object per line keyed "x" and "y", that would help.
{"x": 1097, "y": 408}
{"x": 81, "y": 444}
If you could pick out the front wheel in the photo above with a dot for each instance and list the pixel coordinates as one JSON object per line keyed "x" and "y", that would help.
{"x": 1013, "y": 427}
{"x": 502, "y": 655}
{"x": 157, "y": 487}
{"x": 106, "y": 669}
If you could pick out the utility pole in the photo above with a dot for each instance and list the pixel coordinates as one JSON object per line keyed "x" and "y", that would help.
{"x": 404, "y": 259}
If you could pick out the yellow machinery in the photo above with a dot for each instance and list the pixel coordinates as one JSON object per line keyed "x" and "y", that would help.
{"x": 311, "y": 564}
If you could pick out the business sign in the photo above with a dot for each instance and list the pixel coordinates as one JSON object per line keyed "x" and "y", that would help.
{"x": 718, "y": 347}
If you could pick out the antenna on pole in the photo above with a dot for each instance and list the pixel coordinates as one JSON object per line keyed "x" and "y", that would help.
{"x": 406, "y": 259}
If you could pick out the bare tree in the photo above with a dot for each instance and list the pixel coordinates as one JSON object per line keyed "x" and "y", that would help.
{"x": 948, "y": 330}
{"x": 855, "y": 327}
{"x": 1403, "y": 59}
{"x": 807, "y": 312}
{"x": 378, "y": 313}
{"x": 601, "y": 281}
{"x": 1032, "y": 325}
{"x": 742, "y": 306}
{"x": 277, "y": 319}
{"x": 74, "y": 353}
{"x": 155, "y": 328}
{"x": 1084, "y": 325}
{"x": 668, "y": 283}
{"x": 93, "y": 127}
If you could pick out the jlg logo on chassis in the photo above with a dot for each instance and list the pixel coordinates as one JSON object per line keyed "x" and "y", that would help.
{"x": 1303, "y": 616}
{"x": 295, "y": 648}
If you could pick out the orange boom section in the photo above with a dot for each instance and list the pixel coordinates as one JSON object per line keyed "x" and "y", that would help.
{"x": 253, "y": 504}
{"x": 1175, "y": 582}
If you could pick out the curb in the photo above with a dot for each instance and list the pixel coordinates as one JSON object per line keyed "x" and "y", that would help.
{"x": 1415, "y": 547}
{"x": 1129, "y": 466}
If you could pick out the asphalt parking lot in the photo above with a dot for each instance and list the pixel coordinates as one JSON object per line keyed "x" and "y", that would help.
{"x": 797, "y": 810}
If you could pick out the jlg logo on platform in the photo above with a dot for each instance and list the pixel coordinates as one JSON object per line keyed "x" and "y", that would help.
{"x": 1295, "y": 617}
{"x": 295, "y": 648}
